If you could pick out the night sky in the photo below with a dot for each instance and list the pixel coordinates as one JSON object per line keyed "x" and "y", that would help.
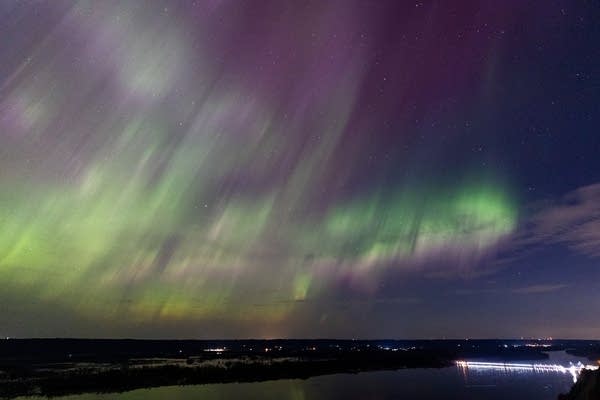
{"x": 262, "y": 169}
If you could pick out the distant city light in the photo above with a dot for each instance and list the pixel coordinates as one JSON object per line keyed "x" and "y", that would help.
{"x": 217, "y": 349}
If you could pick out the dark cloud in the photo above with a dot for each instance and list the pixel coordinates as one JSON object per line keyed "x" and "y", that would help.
{"x": 572, "y": 220}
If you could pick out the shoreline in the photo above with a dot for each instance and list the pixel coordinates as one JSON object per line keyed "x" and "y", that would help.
{"x": 117, "y": 379}
{"x": 57, "y": 367}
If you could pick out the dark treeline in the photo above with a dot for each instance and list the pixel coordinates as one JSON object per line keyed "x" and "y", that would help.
{"x": 97, "y": 350}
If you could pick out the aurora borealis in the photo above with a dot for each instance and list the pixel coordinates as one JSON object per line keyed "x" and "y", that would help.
{"x": 273, "y": 169}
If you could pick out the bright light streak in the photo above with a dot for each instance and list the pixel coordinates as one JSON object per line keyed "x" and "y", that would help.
{"x": 573, "y": 369}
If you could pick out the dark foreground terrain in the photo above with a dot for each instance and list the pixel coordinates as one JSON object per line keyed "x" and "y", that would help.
{"x": 53, "y": 367}
{"x": 586, "y": 388}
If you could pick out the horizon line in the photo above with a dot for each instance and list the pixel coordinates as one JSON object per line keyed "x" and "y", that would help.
{"x": 548, "y": 339}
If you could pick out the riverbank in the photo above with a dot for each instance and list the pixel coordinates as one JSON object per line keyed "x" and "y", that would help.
{"x": 54, "y": 367}
{"x": 105, "y": 378}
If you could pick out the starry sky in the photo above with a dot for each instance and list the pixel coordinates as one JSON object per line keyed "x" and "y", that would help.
{"x": 263, "y": 169}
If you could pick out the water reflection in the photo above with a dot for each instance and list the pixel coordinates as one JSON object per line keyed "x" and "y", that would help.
{"x": 573, "y": 369}
{"x": 414, "y": 384}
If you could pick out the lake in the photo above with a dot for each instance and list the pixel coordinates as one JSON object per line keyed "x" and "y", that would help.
{"x": 414, "y": 384}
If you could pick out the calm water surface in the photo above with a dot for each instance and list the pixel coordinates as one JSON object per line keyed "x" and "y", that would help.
{"x": 413, "y": 384}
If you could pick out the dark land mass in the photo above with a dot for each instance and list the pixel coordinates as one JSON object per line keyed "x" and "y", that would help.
{"x": 591, "y": 351}
{"x": 53, "y": 367}
{"x": 587, "y": 387}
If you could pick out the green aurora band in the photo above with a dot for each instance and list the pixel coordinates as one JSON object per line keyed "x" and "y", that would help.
{"x": 92, "y": 245}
